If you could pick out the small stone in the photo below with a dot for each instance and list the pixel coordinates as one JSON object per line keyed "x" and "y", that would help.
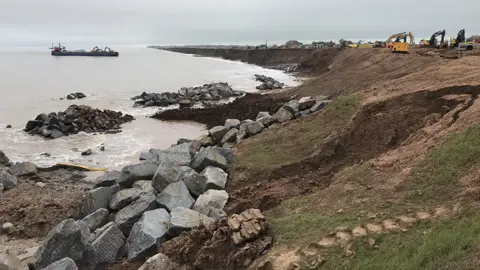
{"x": 41, "y": 184}
{"x": 373, "y": 228}
{"x": 359, "y": 232}
{"x": 390, "y": 225}
{"x": 102, "y": 148}
{"x": 7, "y": 227}
{"x": 423, "y": 215}
{"x": 4, "y": 160}
{"x": 9, "y": 126}
{"x": 306, "y": 103}
{"x": 406, "y": 222}
{"x": 87, "y": 152}
{"x": 371, "y": 242}
{"x": 319, "y": 105}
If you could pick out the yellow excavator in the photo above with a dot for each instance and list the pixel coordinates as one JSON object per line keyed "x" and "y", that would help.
{"x": 399, "y": 46}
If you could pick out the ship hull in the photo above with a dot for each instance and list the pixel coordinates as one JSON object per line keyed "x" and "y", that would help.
{"x": 74, "y": 53}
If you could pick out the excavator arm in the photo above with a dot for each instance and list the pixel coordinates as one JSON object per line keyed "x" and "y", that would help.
{"x": 433, "y": 39}
{"x": 390, "y": 38}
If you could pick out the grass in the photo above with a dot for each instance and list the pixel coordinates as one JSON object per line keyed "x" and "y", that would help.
{"x": 438, "y": 245}
{"x": 296, "y": 140}
{"x": 437, "y": 178}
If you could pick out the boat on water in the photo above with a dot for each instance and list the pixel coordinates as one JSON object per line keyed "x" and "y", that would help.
{"x": 62, "y": 51}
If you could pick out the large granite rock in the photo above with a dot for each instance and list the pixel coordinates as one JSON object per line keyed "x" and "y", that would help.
{"x": 226, "y": 152}
{"x": 167, "y": 173}
{"x": 8, "y": 180}
{"x": 67, "y": 239}
{"x": 24, "y": 169}
{"x": 232, "y": 123}
{"x": 124, "y": 197}
{"x": 148, "y": 234}
{"x": 283, "y": 115}
{"x": 306, "y": 103}
{"x": 292, "y": 106}
{"x": 267, "y": 120}
{"x": 132, "y": 173}
{"x": 211, "y": 203}
{"x": 254, "y": 128}
{"x": 108, "y": 245}
{"x": 63, "y": 264}
{"x": 218, "y": 132}
{"x": 319, "y": 105}
{"x": 99, "y": 198}
{"x": 261, "y": 115}
{"x": 159, "y": 261}
{"x": 216, "y": 177}
{"x": 128, "y": 216}
{"x": 178, "y": 154}
{"x": 184, "y": 219}
{"x": 96, "y": 219}
{"x": 175, "y": 195}
{"x": 208, "y": 157}
{"x": 230, "y": 136}
{"x": 4, "y": 159}
{"x": 108, "y": 179}
{"x": 194, "y": 181}
{"x": 145, "y": 185}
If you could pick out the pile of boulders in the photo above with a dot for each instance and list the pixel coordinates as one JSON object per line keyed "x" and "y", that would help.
{"x": 77, "y": 95}
{"x": 187, "y": 96}
{"x": 235, "y": 130}
{"x": 10, "y": 170}
{"x": 132, "y": 212}
{"x": 287, "y": 68}
{"x": 268, "y": 83}
{"x": 76, "y": 119}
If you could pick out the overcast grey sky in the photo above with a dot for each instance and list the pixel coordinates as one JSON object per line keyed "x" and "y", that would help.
{"x": 39, "y": 22}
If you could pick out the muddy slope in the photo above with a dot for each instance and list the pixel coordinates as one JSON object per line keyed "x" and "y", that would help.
{"x": 247, "y": 107}
{"x": 375, "y": 129}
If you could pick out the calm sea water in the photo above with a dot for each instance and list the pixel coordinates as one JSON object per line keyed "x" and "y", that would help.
{"x": 32, "y": 81}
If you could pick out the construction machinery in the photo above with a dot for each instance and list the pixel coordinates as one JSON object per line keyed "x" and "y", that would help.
{"x": 400, "y": 44}
{"x": 460, "y": 39}
{"x": 389, "y": 43}
{"x": 433, "y": 42}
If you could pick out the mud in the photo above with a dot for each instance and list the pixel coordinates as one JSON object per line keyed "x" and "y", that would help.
{"x": 34, "y": 210}
{"x": 243, "y": 108}
{"x": 375, "y": 129}
{"x": 213, "y": 248}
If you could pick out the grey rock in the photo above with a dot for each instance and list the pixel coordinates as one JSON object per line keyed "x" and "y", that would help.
{"x": 302, "y": 114}
{"x": 124, "y": 197}
{"x": 207, "y": 141}
{"x": 159, "y": 261}
{"x": 244, "y": 122}
{"x": 322, "y": 98}
{"x": 208, "y": 157}
{"x": 67, "y": 239}
{"x": 232, "y": 123}
{"x": 292, "y": 106}
{"x": 108, "y": 179}
{"x": 179, "y": 154}
{"x": 226, "y": 152}
{"x": 24, "y": 169}
{"x": 147, "y": 234}
{"x": 184, "y": 219}
{"x": 261, "y": 115}
{"x": 167, "y": 173}
{"x": 63, "y": 264}
{"x": 87, "y": 152}
{"x": 216, "y": 178}
{"x": 283, "y": 115}
{"x": 230, "y": 136}
{"x": 108, "y": 245}
{"x": 2, "y": 188}
{"x": 99, "y": 197}
{"x": 194, "y": 146}
{"x": 128, "y": 216}
{"x": 4, "y": 159}
{"x": 56, "y": 134}
{"x": 132, "y": 173}
{"x": 194, "y": 181}
{"x": 210, "y": 202}
{"x": 96, "y": 219}
{"x": 145, "y": 185}
{"x": 76, "y": 175}
{"x": 217, "y": 133}
{"x": 306, "y": 103}
{"x": 319, "y": 105}
{"x": 267, "y": 120}
{"x": 254, "y": 128}
{"x": 242, "y": 134}
{"x": 150, "y": 155}
{"x": 8, "y": 180}
{"x": 175, "y": 195}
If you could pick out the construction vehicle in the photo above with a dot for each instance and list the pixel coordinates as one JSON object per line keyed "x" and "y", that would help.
{"x": 460, "y": 39}
{"x": 400, "y": 44}
{"x": 433, "y": 42}
{"x": 389, "y": 43}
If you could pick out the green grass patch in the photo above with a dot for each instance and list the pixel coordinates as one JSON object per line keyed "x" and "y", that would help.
{"x": 441, "y": 244}
{"x": 297, "y": 140}
{"x": 437, "y": 178}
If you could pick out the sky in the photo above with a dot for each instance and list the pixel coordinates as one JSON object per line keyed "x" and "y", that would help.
{"x": 108, "y": 22}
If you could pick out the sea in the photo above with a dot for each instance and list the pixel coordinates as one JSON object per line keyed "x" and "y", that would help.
{"x": 32, "y": 82}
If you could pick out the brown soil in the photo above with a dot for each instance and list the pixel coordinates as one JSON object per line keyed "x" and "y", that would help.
{"x": 213, "y": 248}
{"x": 247, "y": 107}
{"x": 125, "y": 266}
{"x": 378, "y": 127}
{"x": 34, "y": 211}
